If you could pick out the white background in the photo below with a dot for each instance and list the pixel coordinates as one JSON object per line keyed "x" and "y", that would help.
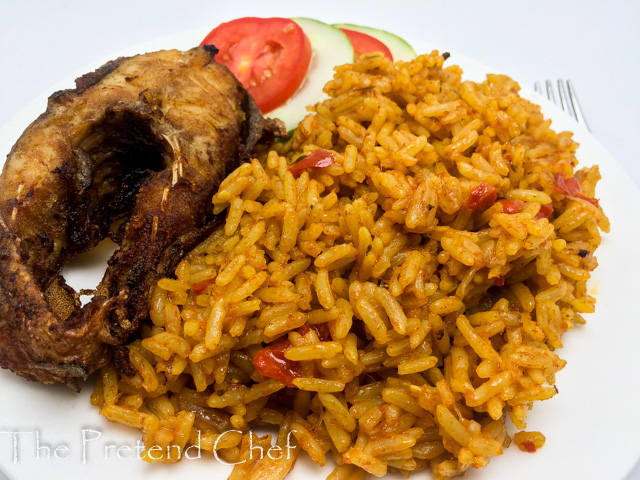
{"x": 595, "y": 44}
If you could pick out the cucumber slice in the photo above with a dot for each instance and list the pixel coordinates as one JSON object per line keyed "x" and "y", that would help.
{"x": 399, "y": 48}
{"x": 330, "y": 47}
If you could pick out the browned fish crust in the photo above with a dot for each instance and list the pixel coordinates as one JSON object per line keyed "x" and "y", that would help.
{"x": 146, "y": 139}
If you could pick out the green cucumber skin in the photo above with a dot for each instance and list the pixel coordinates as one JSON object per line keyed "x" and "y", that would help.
{"x": 312, "y": 22}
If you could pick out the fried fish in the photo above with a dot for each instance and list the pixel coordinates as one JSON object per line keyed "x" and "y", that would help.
{"x": 145, "y": 139}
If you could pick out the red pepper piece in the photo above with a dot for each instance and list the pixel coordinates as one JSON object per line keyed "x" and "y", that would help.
{"x": 498, "y": 281}
{"x": 568, "y": 186}
{"x": 322, "y": 330}
{"x": 201, "y": 287}
{"x": 545, "y": 211}
{"x": 271, "y": 362}
{"x": 482, "y": 197}
{"x": 317, "y": 159}
{"x": 571, "y": 187}
{"x": 529, "y": 446}
{"x": 592, "y": 201}
{"x": 511, "y": 206}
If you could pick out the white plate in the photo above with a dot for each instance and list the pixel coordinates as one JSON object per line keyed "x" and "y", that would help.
{"x": 592, "y": 426}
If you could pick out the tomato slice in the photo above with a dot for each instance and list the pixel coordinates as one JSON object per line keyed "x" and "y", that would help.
{"x": 363, "y": 43}
{"x": 269, "y": 56}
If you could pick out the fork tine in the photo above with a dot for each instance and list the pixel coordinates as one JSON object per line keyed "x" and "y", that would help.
{"x": 550, "y": 95}
{"x": 566, "y": 105}
{"x": 568, "y": 99}
{"x": 573, "y": 98}
{"x": 537, "y": 87}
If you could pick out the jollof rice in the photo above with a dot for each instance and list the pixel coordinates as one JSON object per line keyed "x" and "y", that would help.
{"x": 388, "y": 311}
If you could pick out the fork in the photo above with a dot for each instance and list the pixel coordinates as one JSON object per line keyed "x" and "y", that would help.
{"x": 567, "y": 99}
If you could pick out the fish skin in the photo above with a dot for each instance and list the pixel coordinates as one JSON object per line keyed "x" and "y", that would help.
{"x": 147, "y": 139}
